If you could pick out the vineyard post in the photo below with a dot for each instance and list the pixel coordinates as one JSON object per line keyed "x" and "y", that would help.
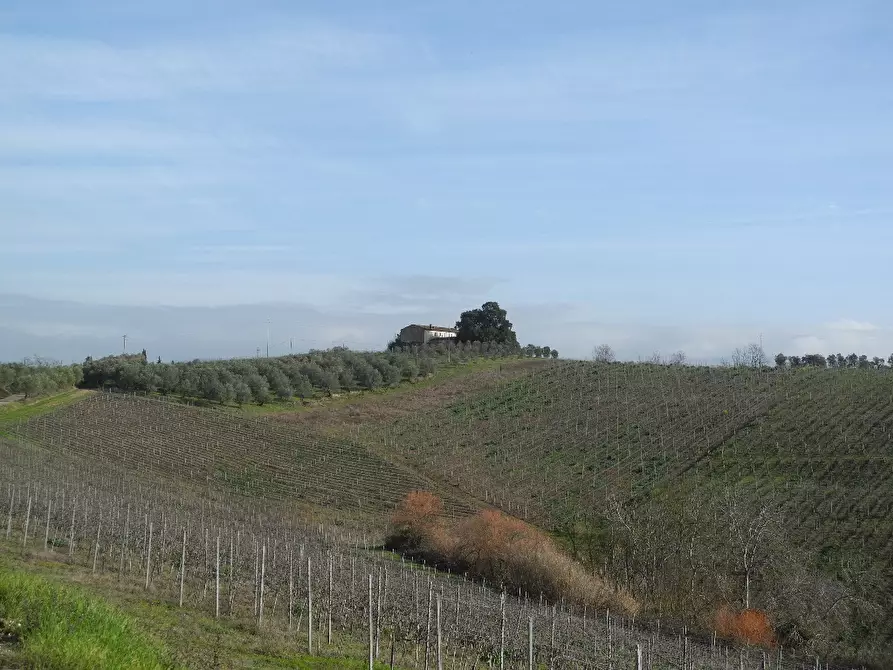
{"x": 378, "y": 613}
{"x": 46, "y": 534}
{"x": 530, "y": 643}
{"x": 458, "y": 586}
{"x": 256, "y": 572}
{"x": 96, "y": 546}
{"x": 552, "y": 639}
{"x": 124, "y": 538}
{"x": 309, "y": 609}
{"x": 439, "y": 646}
{"x": 502, "y": 631}
{"x": 27, "y": 520}
{"x": 639, "y": 657}
{"x": 371, "y": 642}
{"x": 291, "y": 586}
{"x": 12, "y": 494}
{"x": 329, "y": 613}
{"x": 149, "y": 556}
{"x": 428, "y": 625}
{"x": 230, "y": 589}
{"x": 182, "y": 567}
{"x": 217, "y": 581}
{"x": 263, "y": 568}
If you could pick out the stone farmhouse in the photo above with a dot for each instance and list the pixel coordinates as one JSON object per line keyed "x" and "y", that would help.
{"x": 416, "y": 334}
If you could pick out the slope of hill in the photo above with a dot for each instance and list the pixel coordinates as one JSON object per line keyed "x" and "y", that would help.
{"x": 641, "y": 467}
{"x": 218, "y": 451}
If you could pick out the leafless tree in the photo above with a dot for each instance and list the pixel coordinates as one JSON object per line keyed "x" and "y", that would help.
{"x": 603, "y": 353}
{"x": 751, "y": 356}
{"x": 678, "y": 358}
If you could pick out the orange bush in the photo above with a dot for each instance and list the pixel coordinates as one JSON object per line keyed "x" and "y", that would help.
{"x": 749, "y": 626}
{"x": 418, "y": 508}
{"x": 416, "y": 523}
{"x": 501, "y": 549}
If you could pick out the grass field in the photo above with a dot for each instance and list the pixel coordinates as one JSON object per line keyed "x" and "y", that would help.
{"x": 56, "y": 626}
{"x": 72, "y": 620}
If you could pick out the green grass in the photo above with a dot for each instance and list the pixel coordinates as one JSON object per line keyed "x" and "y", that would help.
{"x": 56, "y": 626}
{"x": 20, "y": 411}
{"x": 179, "y": 637}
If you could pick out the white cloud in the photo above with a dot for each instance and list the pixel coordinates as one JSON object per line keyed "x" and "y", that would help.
{"x": 851, "y": 325}
{"x": 275, "y": 58}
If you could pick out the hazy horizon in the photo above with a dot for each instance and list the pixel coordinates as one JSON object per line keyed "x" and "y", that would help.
{"x": 70, "y": 331}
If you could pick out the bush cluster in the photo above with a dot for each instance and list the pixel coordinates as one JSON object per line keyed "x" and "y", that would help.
{"x": 501, "y": 549}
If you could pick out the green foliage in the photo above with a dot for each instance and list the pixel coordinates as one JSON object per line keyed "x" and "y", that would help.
{"x": 488, "y": 324}
{"x": 37, "y": 376}
{"x": 62, "y": 627}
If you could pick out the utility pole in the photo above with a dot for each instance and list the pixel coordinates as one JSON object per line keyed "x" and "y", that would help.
{"x": 125, "y": 343}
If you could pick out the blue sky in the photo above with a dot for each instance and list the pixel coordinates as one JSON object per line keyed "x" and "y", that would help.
{"x": 655, "y": 175}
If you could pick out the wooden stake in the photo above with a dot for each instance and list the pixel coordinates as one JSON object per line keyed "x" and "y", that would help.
{"x": 371, "y": 641}
{"x": 12, "y": 495}
{"x": 182, "y": 567}
{"x": 439, "y": 646}
{"x": 27, "y": 520}
{"x": 291, "y": 586}
{"x": 309, "y": 610}
{"x": 96, "y": 546}
{"x": 530, "y": 643}
{"x": 46, "y": 535}
{"x": 149, "y": 556}
{"x": 329, "y": 613}
{"x": 502, "y": 631}
{"x": 263, "y": 568}
{"x": 217, "y": 581}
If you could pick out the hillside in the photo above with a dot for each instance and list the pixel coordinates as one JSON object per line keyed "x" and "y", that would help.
{"x": 637, "y": 466}
{"x": 188, "y": 448}
{"x": 694, "y": 488}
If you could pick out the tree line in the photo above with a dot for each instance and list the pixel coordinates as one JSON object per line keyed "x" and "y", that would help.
{"x": 840, "y": 361}
{"x": 37, "y": 376}
{"x": 283, "y": 378}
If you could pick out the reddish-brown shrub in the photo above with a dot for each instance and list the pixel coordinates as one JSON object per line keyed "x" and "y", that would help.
{"x": 416, "y": 523}
{"x": 501, "y": 549}
{"x": 749, "y": 626}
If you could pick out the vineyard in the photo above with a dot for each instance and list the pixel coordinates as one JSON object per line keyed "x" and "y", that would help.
{"x": 647, "y": 471}
{"x": 550, "y": 445}
{"x": 224, "y": 453}
{"x": 568, "y": 444}
{"x": 321, "y": 585}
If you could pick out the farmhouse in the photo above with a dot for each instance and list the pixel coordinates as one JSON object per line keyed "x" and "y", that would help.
{"x": 416, "y": 334}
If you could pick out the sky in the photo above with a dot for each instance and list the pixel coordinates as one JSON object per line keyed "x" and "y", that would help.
{"x": 658, "y": 176}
